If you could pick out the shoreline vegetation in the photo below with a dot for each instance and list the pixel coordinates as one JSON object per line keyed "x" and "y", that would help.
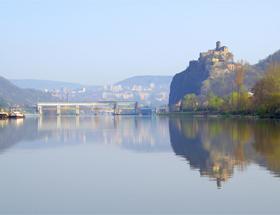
{"x": 262, "y": 101}
{"x": 221, "y": 115}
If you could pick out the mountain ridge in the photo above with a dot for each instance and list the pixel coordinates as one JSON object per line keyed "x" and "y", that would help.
{"x": 11, "y": 95}
{"x": 45, "y": 84}
{"x": 145, "y": 80}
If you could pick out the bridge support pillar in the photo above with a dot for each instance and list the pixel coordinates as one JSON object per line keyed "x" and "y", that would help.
{"x": 58, "y": 110}
{"x": 116, "y": 109}
{"x": 136, "y": 108}
{"x": 77, "y": 110}
{"x": 40, "y": 109}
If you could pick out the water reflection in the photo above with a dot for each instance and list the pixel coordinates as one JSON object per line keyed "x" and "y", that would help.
{"x": 217, "y": 146}
{"x": 14, "y": 131}
{"x": 138, "y": 134}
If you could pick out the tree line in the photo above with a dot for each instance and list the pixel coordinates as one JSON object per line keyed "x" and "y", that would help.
{"x": 263, "y": 99}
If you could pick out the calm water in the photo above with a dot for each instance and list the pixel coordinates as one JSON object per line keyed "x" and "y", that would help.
{"x": 139, "y": 165}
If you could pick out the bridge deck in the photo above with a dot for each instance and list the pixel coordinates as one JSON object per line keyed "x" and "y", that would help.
{"x": 114, "y": 106}
{"x": 86, "y": 103}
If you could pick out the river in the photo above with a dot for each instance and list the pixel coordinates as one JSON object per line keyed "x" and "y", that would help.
{"x": 146, "y": 165}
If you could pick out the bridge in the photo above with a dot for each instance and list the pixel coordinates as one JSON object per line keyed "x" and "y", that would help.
{"x": 113, "y": 107}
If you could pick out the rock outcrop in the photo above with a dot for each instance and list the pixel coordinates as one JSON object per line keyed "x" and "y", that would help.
{"x": 214, "y": 73}
{"x": 201, "y": 74}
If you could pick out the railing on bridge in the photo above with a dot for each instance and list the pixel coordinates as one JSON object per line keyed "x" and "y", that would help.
{"x": 113, "y": 107}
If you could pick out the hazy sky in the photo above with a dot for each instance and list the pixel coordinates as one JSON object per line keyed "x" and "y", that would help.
{"x": 98, "y": 42}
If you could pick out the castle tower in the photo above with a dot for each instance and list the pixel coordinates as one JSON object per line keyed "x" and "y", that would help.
{"x": 218, "y": 45}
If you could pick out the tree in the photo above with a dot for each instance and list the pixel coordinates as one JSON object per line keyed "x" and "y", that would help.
{"x": 238, "y": 101}
{"x": 239, "y": 77}
{"x": 214, "y": 102}
{"x": 190, "y": 102}
{"x": 240, "y": 69}
{"x": 267, "y": 91}
{"x": 244, "y": 101}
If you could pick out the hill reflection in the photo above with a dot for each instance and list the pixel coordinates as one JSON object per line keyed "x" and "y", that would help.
{"x": 217, "y": 146}
{"x": 138, "y": 134}
{"x": 133, "y": 133}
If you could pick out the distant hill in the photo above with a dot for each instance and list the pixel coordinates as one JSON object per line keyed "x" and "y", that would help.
{"x": 10, "y": 94}
{"x": 44, "y": 84}
{"x": 150, "y": 90}
{"x": 263, "y": 64}
{"x": 256, "y": 71}
{"x": 146, "y": 80}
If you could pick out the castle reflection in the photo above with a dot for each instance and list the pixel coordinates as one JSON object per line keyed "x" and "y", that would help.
{"x": 216, "y": 147}
{"x": 219, "y": 146}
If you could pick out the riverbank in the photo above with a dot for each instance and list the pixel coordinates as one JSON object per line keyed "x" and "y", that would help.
{"x": 222, "y": 114}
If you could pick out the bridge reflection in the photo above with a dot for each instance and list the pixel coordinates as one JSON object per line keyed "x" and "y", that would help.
{"x": 130, "y": 132}
{"x": 215, "y": 147}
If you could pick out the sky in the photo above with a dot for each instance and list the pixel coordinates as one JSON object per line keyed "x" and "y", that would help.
{"x": 105, "y": 41}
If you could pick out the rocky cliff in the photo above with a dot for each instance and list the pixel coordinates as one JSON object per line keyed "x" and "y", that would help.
{"x": 202, "y": 74}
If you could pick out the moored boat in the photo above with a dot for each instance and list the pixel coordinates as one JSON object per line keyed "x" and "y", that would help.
{"x": 4, "y": 115}
{"x": 16, "y": 115}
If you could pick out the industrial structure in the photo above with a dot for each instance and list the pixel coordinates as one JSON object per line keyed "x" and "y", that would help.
{"x": 112, "y": 107}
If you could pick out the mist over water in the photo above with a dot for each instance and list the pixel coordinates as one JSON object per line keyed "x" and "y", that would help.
{"x": 132, "y": 164}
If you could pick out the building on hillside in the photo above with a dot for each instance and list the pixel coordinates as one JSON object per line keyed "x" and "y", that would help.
{"x": 219, "y": 54}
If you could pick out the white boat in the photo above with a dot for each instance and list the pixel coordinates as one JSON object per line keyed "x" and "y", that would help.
{"x": 16, "y": 114}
